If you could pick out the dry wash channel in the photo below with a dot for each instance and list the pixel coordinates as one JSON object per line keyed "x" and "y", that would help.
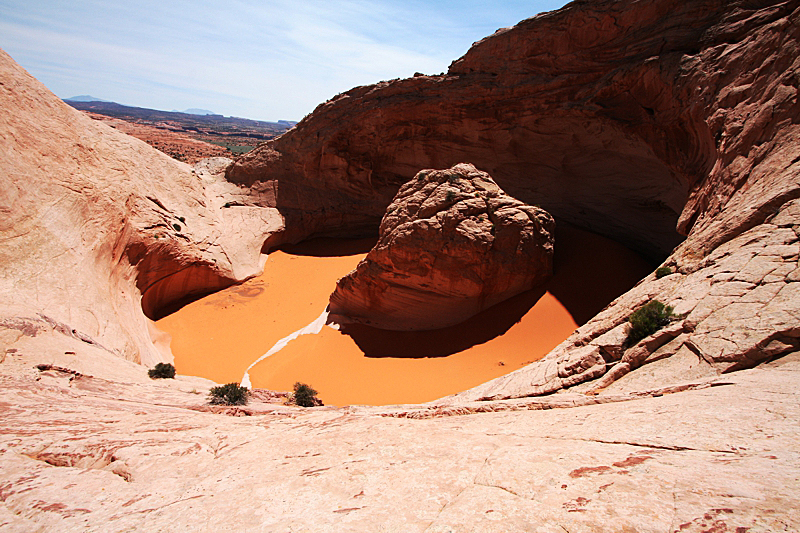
{"x": 219, "y": 336}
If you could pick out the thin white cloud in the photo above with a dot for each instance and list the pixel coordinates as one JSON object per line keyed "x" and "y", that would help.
{"x": 271, "y": 61}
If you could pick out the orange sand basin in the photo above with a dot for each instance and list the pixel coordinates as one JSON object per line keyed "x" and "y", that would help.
{"x": 219, "y": 336}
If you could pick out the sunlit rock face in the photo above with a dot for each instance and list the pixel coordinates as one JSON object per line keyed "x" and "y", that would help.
{"x": 99, "y": 231}
{"x": 451, "y": 244}
{"x": 639, "y": 121}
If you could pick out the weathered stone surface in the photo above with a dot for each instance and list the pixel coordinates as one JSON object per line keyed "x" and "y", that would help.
{"x": 734, "y": 279}
{"x": 451, "y": 244}
{"x": 562, "y": 110}
{"x": 611, "y": 342}
{"x": 736, "y": 316}
{"x": 99, "y": 231}
{"x": 620, "y": 110}
{"x": 697, "y": 101}
{"x": 106, "y": 455}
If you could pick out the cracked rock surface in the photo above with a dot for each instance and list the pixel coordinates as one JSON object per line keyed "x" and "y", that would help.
{"x": 102, "y": 455}
{"x": 623, "y": 117}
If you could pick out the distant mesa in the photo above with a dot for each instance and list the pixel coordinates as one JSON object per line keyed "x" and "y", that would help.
{"x": 85, "y": 98}
{"x": 195, "y": 111}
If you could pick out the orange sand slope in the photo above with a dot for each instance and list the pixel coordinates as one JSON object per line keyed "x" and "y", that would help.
{"x": 219, "y": 336}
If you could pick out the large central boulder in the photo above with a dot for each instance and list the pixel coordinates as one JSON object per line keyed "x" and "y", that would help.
{"x": 451, "y": 244}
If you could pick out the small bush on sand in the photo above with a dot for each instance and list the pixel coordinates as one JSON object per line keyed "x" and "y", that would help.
{"x": 305, "y": 396}
{"x": 648, "y": 319}
{"x": 230, "y": 394}
{"x": 663, "y": 271}
{"x": 161, "y": 371}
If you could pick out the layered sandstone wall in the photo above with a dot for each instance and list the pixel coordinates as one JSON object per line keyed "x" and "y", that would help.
{"x": 590, "y": 111}
{"x": 735, "y": 276}
{"x": 641, "y": 121}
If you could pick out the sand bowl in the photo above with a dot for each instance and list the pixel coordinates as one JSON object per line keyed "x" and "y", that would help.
{"x": 221, "y": 335}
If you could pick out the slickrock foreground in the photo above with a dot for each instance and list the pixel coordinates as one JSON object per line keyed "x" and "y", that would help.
{"x": 627, "y": 118}
{"x": 99, "y": 455}
{"x": 452, "y": 244}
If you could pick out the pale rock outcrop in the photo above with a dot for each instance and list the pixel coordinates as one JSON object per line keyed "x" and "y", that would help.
{"x": 741, "y": 306}
{"x": 89, "y": 453}
{"x": 650, "y": 102}
{"x": 100, "y": 232}
{"x": 451, "y": 244}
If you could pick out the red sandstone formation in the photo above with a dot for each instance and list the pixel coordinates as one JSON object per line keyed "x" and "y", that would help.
{"x": 641, "y": 121}
{"x": 612, "y": 116}
{"x": 452, "y": 243}
{"x": 624, "y": 117}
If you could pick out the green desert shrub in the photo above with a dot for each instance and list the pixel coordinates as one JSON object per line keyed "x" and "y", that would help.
{"x": 648, "y": 319}
{"x": 162, "y": 371}
{"x": 663, "y": 271}
{"x": 305, "y": 396}
{"x": 230, "y": 394}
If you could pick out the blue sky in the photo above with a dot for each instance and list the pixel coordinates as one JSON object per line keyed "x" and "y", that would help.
{"x": 255, "y": 59}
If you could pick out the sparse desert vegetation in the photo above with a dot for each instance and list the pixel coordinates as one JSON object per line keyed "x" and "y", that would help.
{"x": 304, "y": 396}
{"x": 162, "y": 371}
{"x": 229, "y": 394}
{"x": 648, "y": 319}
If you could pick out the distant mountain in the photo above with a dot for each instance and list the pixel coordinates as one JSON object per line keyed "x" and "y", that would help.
{"x": 85, "y": 98}
{"x": 187, "y": 122}
{"x": 195, "y": 111}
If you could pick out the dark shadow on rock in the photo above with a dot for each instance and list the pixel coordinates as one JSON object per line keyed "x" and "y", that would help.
{"x": 589, "y": 272}
{"x": 330, "y": 247}
{"x": 481, "y": 328}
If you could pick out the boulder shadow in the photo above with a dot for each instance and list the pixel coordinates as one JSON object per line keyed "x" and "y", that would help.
{"x": 483, "y": 327}
{"x": 330, "y": 247}
{"x": 589, "y": 272}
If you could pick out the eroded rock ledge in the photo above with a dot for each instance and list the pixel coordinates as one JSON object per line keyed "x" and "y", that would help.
{"x": 451, "y": 244}
{"x": 99, "y": 231}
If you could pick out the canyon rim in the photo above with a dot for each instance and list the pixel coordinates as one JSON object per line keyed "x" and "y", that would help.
{"x": 671, "y": 127}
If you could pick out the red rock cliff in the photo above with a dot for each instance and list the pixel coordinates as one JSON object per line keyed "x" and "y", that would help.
{"x": 609, "y": 115}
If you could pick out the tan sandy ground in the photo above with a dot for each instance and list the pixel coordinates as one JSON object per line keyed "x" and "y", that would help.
{"x": 219, "y": 336}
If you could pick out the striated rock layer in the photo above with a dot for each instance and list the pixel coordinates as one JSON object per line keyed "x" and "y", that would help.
{"x": 85, "y": 453}
{"x": 592, "y": 111}
{"x": 451, "y": 244}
